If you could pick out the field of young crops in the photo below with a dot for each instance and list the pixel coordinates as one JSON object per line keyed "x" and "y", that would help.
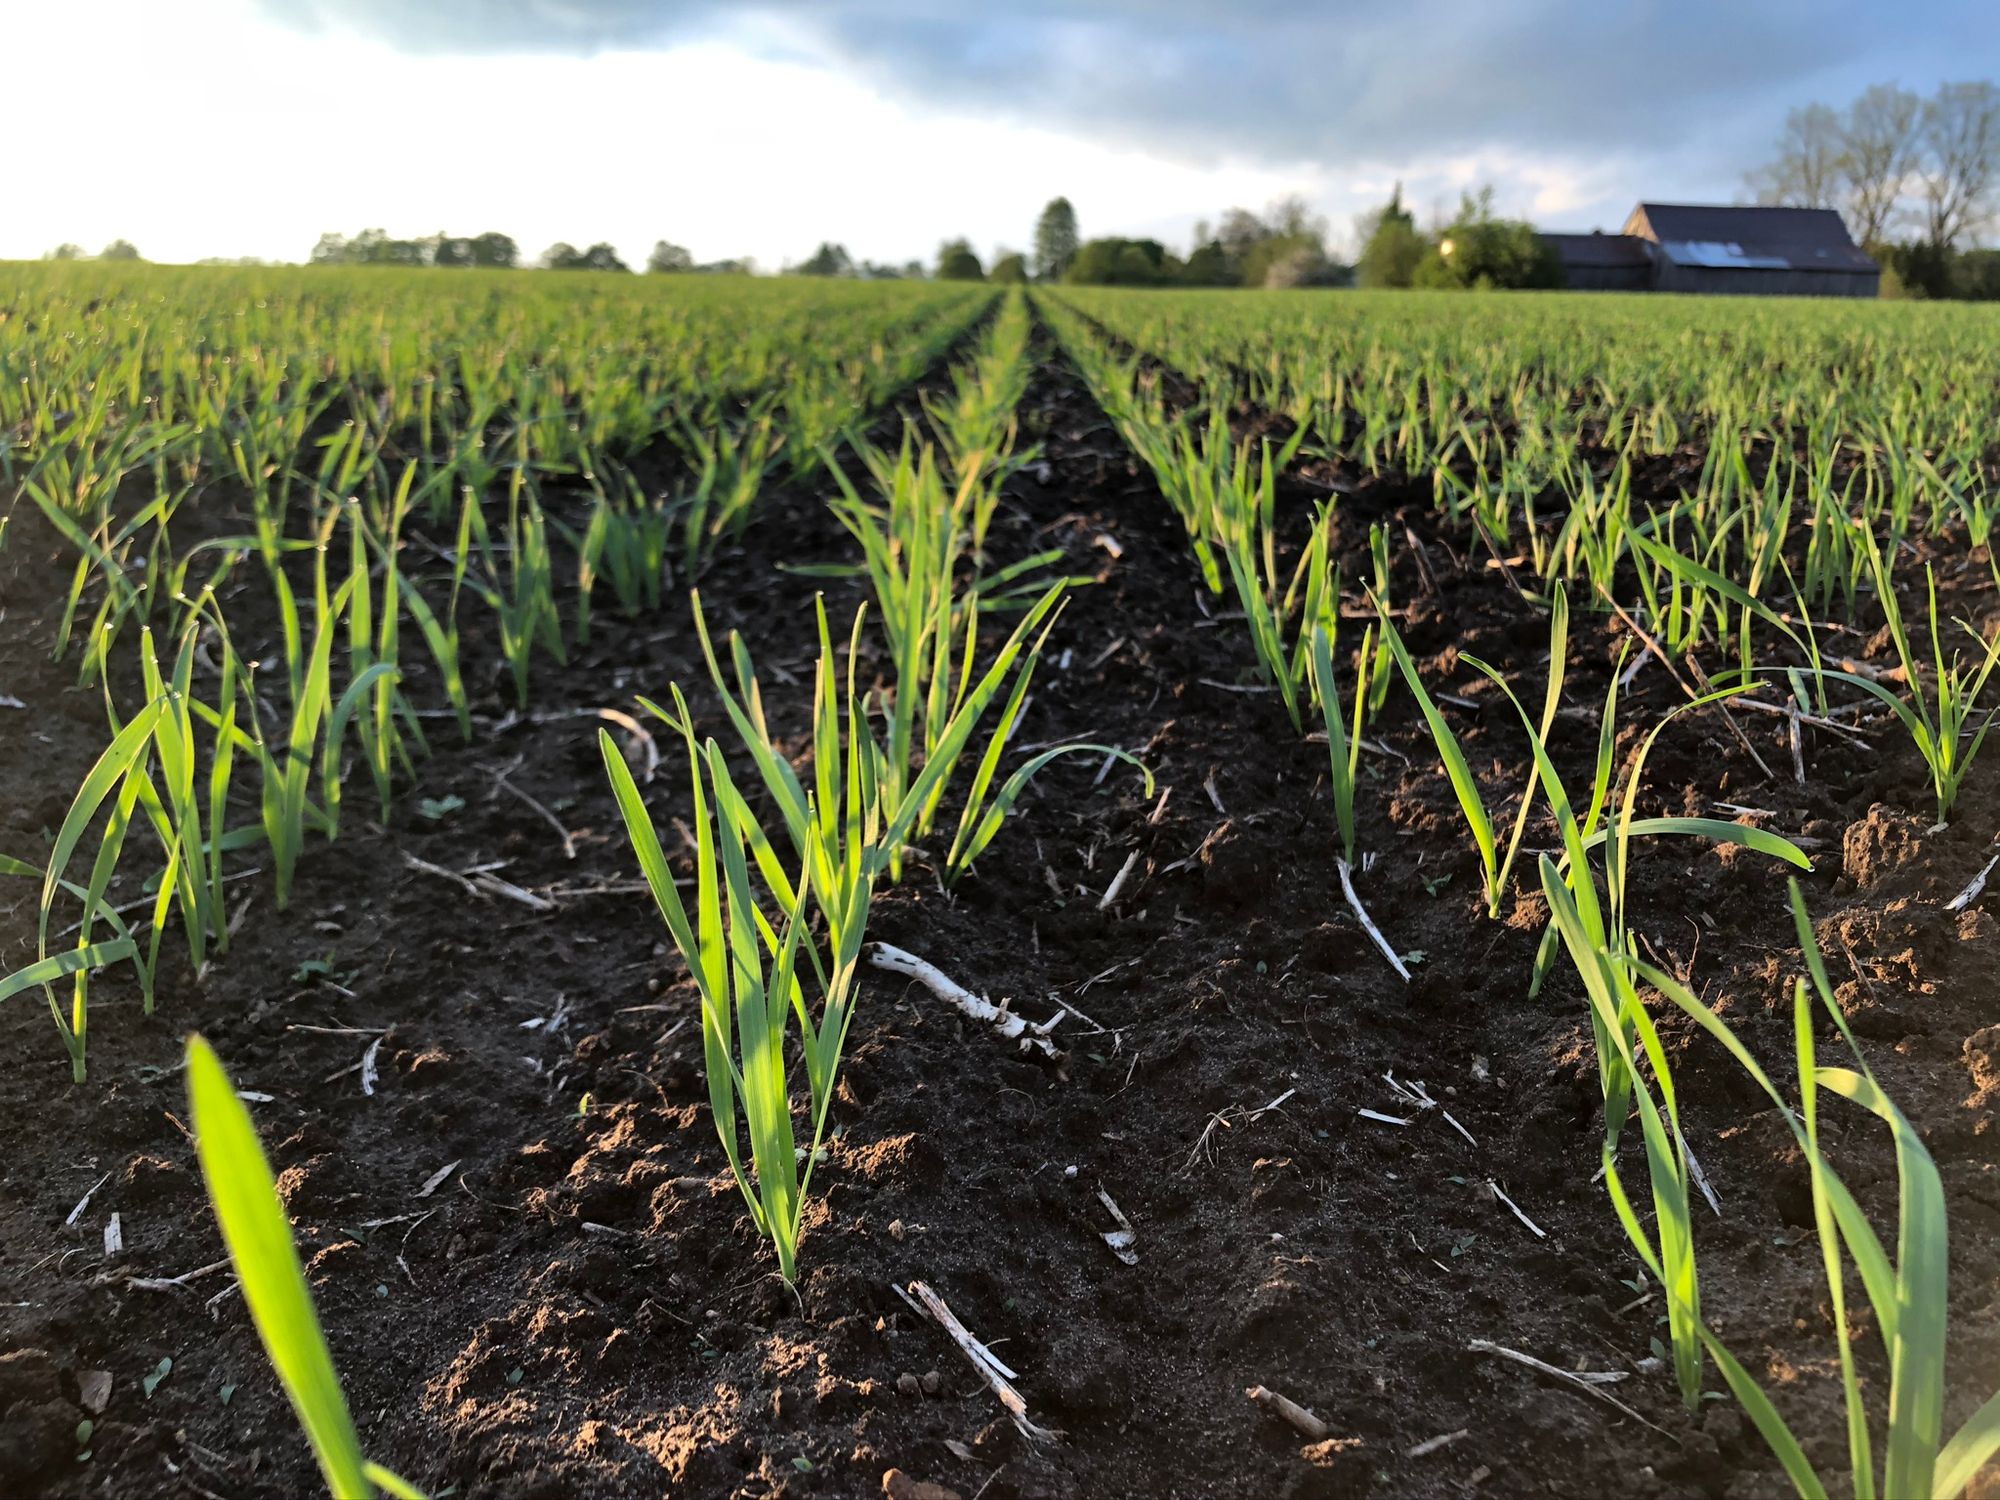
{"x": 695, "y": 886}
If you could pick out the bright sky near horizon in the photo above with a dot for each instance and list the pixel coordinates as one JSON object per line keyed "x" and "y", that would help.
{"x": 249, "y": 127}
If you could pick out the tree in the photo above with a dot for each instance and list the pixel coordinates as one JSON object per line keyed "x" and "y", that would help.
{"x": 829, "y": 260}
{"x": 120, "y": 250}
{"x": 1478, "y": 249}
{"x": 668, "y": 258}
{"x": 65, "y": 252}
{"x": 493, "y": 250}
{"x": 1055, "y": 240}
{"x": 1010, "y": 267}
{"x": 449, "y": 250}
{"x": 1879, "y": 137}
{"x": 1959, "y": 141}
{"x": 1809, "y": 168}
{"x": 563, "y": 256}
{"x": 957, "y": 262}
{"x": 1122, "y": 262}
{"x": 1207, "y": 263}
{"x": 1391, "y": 248}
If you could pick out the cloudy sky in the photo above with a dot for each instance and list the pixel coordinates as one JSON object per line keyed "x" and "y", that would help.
{"x": 248, "y": 127}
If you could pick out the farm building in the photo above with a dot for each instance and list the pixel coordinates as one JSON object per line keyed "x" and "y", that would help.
{"x": 1680, "y": 247}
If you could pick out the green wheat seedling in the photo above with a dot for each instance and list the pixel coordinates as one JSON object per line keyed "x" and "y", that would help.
{"x": 624, "y": 543}
{"x": 516, "y": 578}
{"x": 1909, "y": 1294}
{"x": 441, "y": 633}
{"x": 913, "y": 793}
{"x": 104, "y": 552}
{"x": 251, "y": 1216}
{"x": 745, "y": 961}
{"x": 1343, "y": 746}
{"x": 913, "y": 544}
{"x": 1943, "y": 721}
{"x": 111, "y": 787}
{"x": 1495, "y": 862}
{"x": 1625, "y": 1032}
{"x": 1280, "y": 617}
{"x": 978, "y": 426}
{"x": 1592, "y": 927}
{"x": 731, "y": 461}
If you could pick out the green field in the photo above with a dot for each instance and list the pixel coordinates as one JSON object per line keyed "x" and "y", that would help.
{"x": 1601, "y": 607}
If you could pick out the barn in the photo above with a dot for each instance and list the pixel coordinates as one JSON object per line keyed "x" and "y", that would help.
{"x": 1603, "y": 262}
{"x": 1685, "y": 247}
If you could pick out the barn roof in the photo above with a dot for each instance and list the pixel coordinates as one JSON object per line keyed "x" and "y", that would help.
{"x": 1605, "y": 251}
{"x": 1749, "y": 238}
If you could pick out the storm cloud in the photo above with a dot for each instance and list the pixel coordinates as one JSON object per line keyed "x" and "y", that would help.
{"x": 1686, "y": 95}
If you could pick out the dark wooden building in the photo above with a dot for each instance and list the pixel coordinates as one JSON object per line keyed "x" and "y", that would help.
{"x": 1680, "y": 247}
{"x": 1603, "y": 262}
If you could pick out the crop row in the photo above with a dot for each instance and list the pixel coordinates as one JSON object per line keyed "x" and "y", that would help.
{"x": 1709, "y": 567}
{"x": 392, "y": 470}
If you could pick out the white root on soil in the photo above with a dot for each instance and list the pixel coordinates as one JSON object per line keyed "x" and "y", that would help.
{"x": 1587, "y": 1381}
{"x": 997, "y": 1376}
{"x": 1029, "y": 1036}
{"x": 1971, "y": 893}
{"x": 1367, "y": 922}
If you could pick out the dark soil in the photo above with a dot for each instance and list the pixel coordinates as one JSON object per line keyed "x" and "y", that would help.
{"x": 580, "y": 1307}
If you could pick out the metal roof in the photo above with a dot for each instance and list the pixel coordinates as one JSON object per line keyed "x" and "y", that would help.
{"x": 1749, "y": 238}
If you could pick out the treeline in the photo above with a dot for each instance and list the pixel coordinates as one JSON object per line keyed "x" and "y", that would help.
{"x": 496, "y": 251}
{"x": 956, "y": 261}
{"x": 116, "y": 250}
{"x": 1284, "y": 246}
{"x": 1477, "y": 251}
{"x": 1917, "y": 180}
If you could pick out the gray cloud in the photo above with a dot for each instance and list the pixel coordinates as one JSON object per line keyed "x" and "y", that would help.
{"x": 1692, "y": 81}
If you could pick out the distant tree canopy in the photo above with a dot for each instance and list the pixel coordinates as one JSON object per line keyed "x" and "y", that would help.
{"x": 1892, "y": 158}
{"x": 1892, "y": 162}
{"x": 375, "y": 247}
{"x": 957, "y": 262}
{"x": 1121, "y": 262}
{"x": 668, "y": 258}
{"x": 1477, "y": 250}
{"x": 1283, "y": 246}
{"x": 1391, "y": 247}
{"x": 120, "y": 250}
{"x": 1480, "y": 251}
{"x": 66, "y": 252}
{"x": 566, "y": 257}
{"x": 829, "y": 260}
{"x": 1055, "y": 240}
{"x": 1010, "y": 266}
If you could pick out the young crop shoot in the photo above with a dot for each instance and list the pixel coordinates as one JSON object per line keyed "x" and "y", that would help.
{"x": 933, "y": 713}
{"x": 1943, "y": 721}
{"x": 1495, "y": 863}
{"x": 252, "y": 1218}
{"x": 1907, "y": 1293}
{"x": 1595, "y": 931}
{"x": 783, "y": 944}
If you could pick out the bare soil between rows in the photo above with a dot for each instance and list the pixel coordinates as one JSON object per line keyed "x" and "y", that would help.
{"x": 579, "y": 1308}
